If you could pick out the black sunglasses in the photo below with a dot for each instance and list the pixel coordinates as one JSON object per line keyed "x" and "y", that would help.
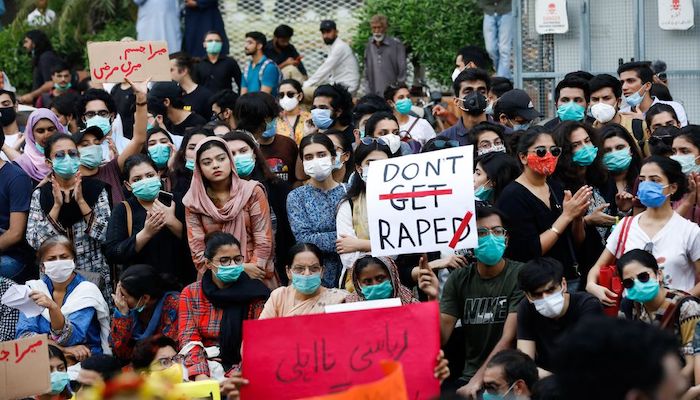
{"x": 541, "y": 151}
{"x": 629, "y": 282}
{"x": 367, "y": 140}
{"x": 655, "y": 140}
{"x": 288, "y": 94}
{"x": 62, "y": 153}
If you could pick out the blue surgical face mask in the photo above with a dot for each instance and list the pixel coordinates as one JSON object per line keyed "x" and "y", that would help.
{"x": 306, "y": 284}
{"x": 100, "y": 122}
{"x": 521, "y": 127}
{"x": 483, "y": 193}
{"x": 338, "y": 162}
{"x": 643, "y": 292}
{"x": 571, "y": 111}
{"x": 322, "y": 118}
{"x": 146, "y": 189}
{"x": 160, "y": 154}
{"x": 380, "y": 291}
{"x": 490, "y": 249}
{"x": 634, "y": 99}
{"x": 585, "y": 156}
{"x": 270, "y": 129}
{"x": 687, "y": 162}
{"x": 91, "y": 156}
{"x": 651, "y": 194}
{"x": 59, "y": 381}
{"x": 618, "y": 160}
{"x": 66, "y": 167}
{"x": 229, "y": 274}
{"x": 244, "y": 164}
{"x": 189, "y": 164}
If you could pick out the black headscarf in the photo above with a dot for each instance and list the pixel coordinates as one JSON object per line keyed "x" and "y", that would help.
{"x": 70, "y": 212}
{"x": 234, "y": 300}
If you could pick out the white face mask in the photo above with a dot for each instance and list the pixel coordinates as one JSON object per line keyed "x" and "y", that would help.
{"x": 319, "y": 168}
{"x": 603, "y": 112}
{"x": 455, "y": 74}
{"x": 393, "y": 141}
{"x": 365, "y": 173}
{"x": 550, "y": 306}
{"x": 59, "y": 271}
{"x": 288, "y": 104}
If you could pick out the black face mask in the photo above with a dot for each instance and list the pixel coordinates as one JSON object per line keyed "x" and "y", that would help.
{"x": 7, "y": 115}
{"x": 474, "y": 103}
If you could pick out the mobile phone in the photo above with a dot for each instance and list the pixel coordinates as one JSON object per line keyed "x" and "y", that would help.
{"x": 166, "y": 198}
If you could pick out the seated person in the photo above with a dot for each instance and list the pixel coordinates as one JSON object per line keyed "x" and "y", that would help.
{"x": 95, "y": 371}
{"x": 8, "y": 315}
{"x": 212, "y": 310}
{"x": 509, "y": 374}
{"x": 76, "y": 317}
{"x": 146, "y": 304}
{"x": 158, "y": 355}
{"x": 58, "y": 365}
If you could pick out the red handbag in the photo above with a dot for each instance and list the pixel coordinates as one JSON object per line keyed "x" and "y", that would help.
{"x": 608, "y": 276}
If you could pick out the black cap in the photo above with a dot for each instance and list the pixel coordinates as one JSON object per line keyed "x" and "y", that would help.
{"x": 517, "y": 102}
{"x": 93, "y": 130}
{"x": 165, "y": 90}
{"x": 328, "y": 25}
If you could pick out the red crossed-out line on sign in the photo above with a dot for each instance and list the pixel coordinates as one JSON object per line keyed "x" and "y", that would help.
{"x": 410, "y": 195}
{"x": 460, "y": 230}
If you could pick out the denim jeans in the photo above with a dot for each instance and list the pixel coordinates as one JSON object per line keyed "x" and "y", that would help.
{"x": 498, "y": 38}
{"x": 9, "y": 267}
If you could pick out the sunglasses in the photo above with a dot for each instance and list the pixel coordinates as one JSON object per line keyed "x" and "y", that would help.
{"x": 288, "y": 94}
{"x": 62, "y": 153}
{"x": 629, "y": 282}
{"x": 41, "y": 131}
{"x": 441, "y": 144}
{"x": 369, "y": 140}
{"x": 541, "y": 151}
{"x": 655, "y": 140}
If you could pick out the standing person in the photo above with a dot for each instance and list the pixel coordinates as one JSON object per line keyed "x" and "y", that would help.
{"x": 385, "y": 57}
{"x": 498, "y": 33}
{"x": 219, "y": 200}
{"x": 196, "y": 97}
{"x": 571, "y": 96}
{"x": 285, "y": 55}
{"x": 38, "y": 45}
{"x": 311, "y": 208}
{"x": 201, "y": 17}
{"x": 292, "y": 120}
{"x": 470, "y": 87}
{"x": 68, "y": 205}
{"x": 217, "y": 71}
{"x": 8, "y": 121}
{"x": 339, "y": 67}
{"x": 41, "y": 125}
{"x": 399, "y": 99}
{"x": 159, "y": 20}
{"x": 261, "y": 74}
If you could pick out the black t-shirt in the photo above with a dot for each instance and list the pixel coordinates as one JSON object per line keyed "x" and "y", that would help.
{"x": 192, "y": 120}
{"x": 125, "y": 100}
{"x": 218, "y": 76}
{"x": 198, "y": 101}
{"x": 280, "y": 56}
{"x": 547, "y": 333}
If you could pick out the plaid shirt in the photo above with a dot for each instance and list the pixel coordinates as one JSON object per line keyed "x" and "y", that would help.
{"x": 200, "y": 321}
{"x": 8, "y": 316}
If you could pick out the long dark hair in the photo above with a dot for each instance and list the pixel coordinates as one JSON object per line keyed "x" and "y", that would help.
{"x": 261, "y": 172}
{"x": 566, "y": 171}
{"x": 302, "y": 247}
{"x": 501, "y": 169}
{"x": 141, "y": 279}
{"x": 674, "y": 174}
{"x": 180, "y": 156}
{"x": 41, "y": 42}
{"x": 615, "y": 130}
{"x": 357, "y": 185}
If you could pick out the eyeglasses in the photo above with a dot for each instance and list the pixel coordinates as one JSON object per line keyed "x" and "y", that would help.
{"x": 288, "y": 94}
{"x": 167, "y": 362}
{"x": 41, "y": 131}
{"x": 541, "y": 151}
{"x": 441, "y": 144}
{"x": 62, "y": 153}
{"x": 367, "y": 140}
{"x": 101, "y": 113}
{"x": 655, "y": 140}
{"x": 300, "y": 269}
{"x": 629, "y": 282}
{"x": 227, "y": 261}
{"x": 496, "y": 231}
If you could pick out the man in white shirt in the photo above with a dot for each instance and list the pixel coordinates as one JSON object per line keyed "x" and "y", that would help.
{"x": 42, "y": 15}
{"x": 340, "y": 65}
{"x": 637, "y": 78}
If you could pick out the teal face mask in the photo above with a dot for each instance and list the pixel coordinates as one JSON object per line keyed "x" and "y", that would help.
{"x": 139, "y": 308}
{"x": 146, "y": 189}
{"x": 618, "y": 160}
{"x": 62, "y": 88}
{"x": 100, "y": 122}
{"x": 244, "y": 164}
{"x": 362, "y": 133}
{"x": 214, "y": 47}
{"x": 643, "y": 292}
{"x": 687, "y": 162}
{"x": 491, "y": 396}
{"x": 59, "y": 381}
{"x": 160, "y": 154}
{"x": 39, "y": 148}
{"x": 483, "y": 193}
{"x": 380, "y": 291}
{"x": 91, "y": 156}
{"x": 571, "y": 111}
{"x": 229, "y": 274}
{"x": 189, "y": 164}
{"x": 270, "y": 129}
{"x": 66, "y": 167}
{"x": 306, "y": 284}
{"x": 403, "y": 106}
{"x": 490, "y": 249}
{"x": 585, "y": 156}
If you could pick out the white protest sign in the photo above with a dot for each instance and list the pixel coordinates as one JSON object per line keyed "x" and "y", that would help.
{"x": 551, "y": 17}
{"x": 422, "y": 202}
{"x": 676, "y": 15}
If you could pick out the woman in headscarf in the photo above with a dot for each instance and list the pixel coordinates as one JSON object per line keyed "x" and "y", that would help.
{"x": 41, "y": 125}
{"x": 376, "y": 278}
{"x": 218, "y": 200}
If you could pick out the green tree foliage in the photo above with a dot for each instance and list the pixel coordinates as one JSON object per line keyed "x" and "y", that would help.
{"x": 432, "y": 30}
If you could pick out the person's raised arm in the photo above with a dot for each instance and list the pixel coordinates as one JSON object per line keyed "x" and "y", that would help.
{"x": 140, "y": 122}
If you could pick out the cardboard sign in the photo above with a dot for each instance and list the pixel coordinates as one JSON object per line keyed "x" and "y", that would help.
{"x": 676, "y": 15}
{"x": 114, "y": 61}
{"x": 551, "y": 17}
{"x": 24, "y": 367}
{"x": 296, "y": 357}
{"x": 391, "y": 387}
{"x": 422, "y": 203}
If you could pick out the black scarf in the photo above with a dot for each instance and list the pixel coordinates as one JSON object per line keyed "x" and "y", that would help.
{"x": 234, "y": 300}
{"x": 70, "y": 212}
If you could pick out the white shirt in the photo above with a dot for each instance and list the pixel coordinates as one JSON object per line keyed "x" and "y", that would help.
{"x": 36, "y": 18}
{"x": 676, "y": 248}
{"x": 677, "y": 107}
{"x": 10, "y": 141}
{"x": 340, "y": 67}
{"x": 421, "y": 132}
{"x": 343, "y": 226}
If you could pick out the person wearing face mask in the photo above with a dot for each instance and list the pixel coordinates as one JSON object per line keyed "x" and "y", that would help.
{"x": 399, "y": 99}
{"x": 293, "y": 118}
{"x": 550, "y": 312}
{"x": 61, "y": 78}
{"x": 385, "y": 57}
{"x": 470, "y": 88}
{"x": 471, "y": 57}
{"x": 64, "y": 108}
{"x": 515, "y": 111}
{"x": 342, "y": 167}
{"x": 492, "y": 173}
{"x": 158, "y": 353}
{"x": 251, "y": 165}
{"x": 311, "y": 208}
{"x": 8, "y": 122}
{"x": 145, "y": 304}
{"x": 571, "y": 96}
{"x": 622, "y": 159}
{"x": 217, "y": 71}
{"x": 378, "y": 278}
{"x": 484, "y": 331}
{"x": 669, "y": 237}
{"x": 637, "y": 78}
{"x": 305, "y": 295}
{"x": 144, "y": 230}
{"x": 96, "y": 107}
{"x": 686, "y": 150}
{"x": 75, "y": 315}
{"x": 661, "y": 116}
{"x": 258, "y": 114}
{"x": 384, "y": 126}
{"x": 510, "y": 374}
{"x": 183, "y": 162}
{"x": 212, "y": 310}
{"x": 60, "y": 388}
{"x": 41, "y": 125}
{"x": 487, "y": 137}
{"x": 69, "y": 205}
